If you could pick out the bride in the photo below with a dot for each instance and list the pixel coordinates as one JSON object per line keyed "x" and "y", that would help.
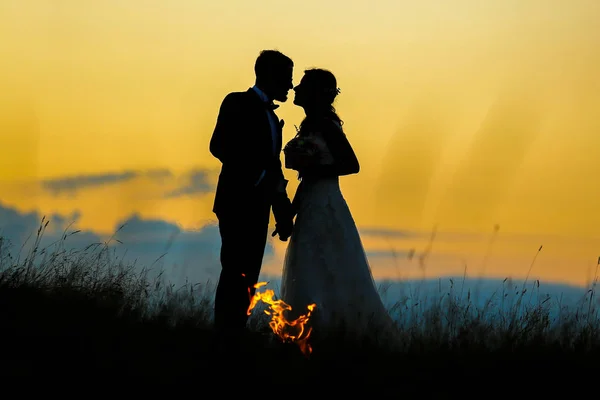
{"x": 325, "y": 262}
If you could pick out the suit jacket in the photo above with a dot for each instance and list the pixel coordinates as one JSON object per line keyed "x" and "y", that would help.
{"x": 243, "y": 142}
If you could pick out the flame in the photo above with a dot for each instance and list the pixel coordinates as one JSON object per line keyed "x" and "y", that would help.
{"x": 288, "y": 331}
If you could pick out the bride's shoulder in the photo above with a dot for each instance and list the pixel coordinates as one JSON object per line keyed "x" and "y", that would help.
{"x": 320, "y": 127}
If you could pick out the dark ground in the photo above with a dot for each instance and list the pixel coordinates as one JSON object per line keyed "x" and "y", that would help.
{"x": 81, "y": 337}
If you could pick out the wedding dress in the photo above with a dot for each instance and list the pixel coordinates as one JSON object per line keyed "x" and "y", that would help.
{"x": 325, "y": 262}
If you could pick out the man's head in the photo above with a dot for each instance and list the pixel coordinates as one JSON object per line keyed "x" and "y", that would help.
{"x": 274, "y": 74}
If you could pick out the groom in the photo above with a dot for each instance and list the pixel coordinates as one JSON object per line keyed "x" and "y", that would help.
{"x": 247, "y": 139}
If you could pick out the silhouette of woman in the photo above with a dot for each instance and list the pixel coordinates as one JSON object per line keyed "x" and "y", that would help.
{"x": 325, "y": 262}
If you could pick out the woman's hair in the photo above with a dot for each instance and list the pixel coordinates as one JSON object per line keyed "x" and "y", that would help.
{"x": 323, "y": 83}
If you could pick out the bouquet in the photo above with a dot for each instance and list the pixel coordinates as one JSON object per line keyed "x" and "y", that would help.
{"x": 301, "y": 152}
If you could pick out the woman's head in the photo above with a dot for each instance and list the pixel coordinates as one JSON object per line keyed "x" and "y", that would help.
{"x": 317, "y": 91}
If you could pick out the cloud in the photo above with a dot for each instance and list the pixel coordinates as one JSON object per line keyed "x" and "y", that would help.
{"x": 160, "y": 246}
{"x": 193, "y": 256}
{"x": 198, "y": 182}
{"x": 72, "y": 184}
{"x": 159, "y": 174}
{"x": 184, "y": 255}
{"x": 20, "y": 229}
{"x": 15, "y": 226}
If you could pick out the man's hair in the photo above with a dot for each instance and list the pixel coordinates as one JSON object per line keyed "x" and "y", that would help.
{"x": 269, "y": 62}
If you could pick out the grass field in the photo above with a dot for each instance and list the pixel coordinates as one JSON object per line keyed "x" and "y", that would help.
{"x": 85, "y": 314}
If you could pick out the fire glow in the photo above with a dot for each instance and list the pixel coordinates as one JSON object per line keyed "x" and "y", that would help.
{"x": 295, "y": 331}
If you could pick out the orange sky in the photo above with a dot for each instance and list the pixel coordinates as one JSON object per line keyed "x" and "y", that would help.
{"x": 464, "y": 114}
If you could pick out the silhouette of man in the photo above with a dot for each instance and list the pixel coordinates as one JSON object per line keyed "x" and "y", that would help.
{"x": 247, "y": 139}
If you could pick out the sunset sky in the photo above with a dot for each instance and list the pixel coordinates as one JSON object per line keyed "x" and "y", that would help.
{"x": 464, "y": 114}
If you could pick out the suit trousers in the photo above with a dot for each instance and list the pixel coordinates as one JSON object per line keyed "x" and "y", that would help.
{"x": 243, "y": 240}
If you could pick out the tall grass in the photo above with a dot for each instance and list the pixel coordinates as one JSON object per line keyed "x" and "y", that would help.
{"x": 116, "y": 311}
{"x": 97, "y": 274}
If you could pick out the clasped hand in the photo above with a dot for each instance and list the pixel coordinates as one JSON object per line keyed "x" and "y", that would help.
{"x": 284, "y": 230}
{"x": 284, "y": 218}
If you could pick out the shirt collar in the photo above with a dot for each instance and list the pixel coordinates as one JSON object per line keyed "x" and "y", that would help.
{"x": 261, "y": 94}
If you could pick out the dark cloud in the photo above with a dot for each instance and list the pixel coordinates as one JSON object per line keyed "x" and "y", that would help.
{"x": 198, "y": 182}
{"x": 159, "y": 174}
{"x": 182, "y": 254}
{"x": 154, "y": 244}
{"x": 194, "y": 182}
{"x": 161, "y": 246}
{"x": 71, "y": 184}
{"x": 16, "y": 226}
{"x": 193, "y": 256}
{"x": 21, "y": 229}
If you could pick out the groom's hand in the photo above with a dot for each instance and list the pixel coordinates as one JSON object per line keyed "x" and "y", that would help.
{"x": 283, "y": 211}
{"x": 284, "y": 230}
{"x": 284, "y": 218}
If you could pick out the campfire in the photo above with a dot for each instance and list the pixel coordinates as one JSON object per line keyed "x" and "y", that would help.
{"x": 295, "y": 331}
